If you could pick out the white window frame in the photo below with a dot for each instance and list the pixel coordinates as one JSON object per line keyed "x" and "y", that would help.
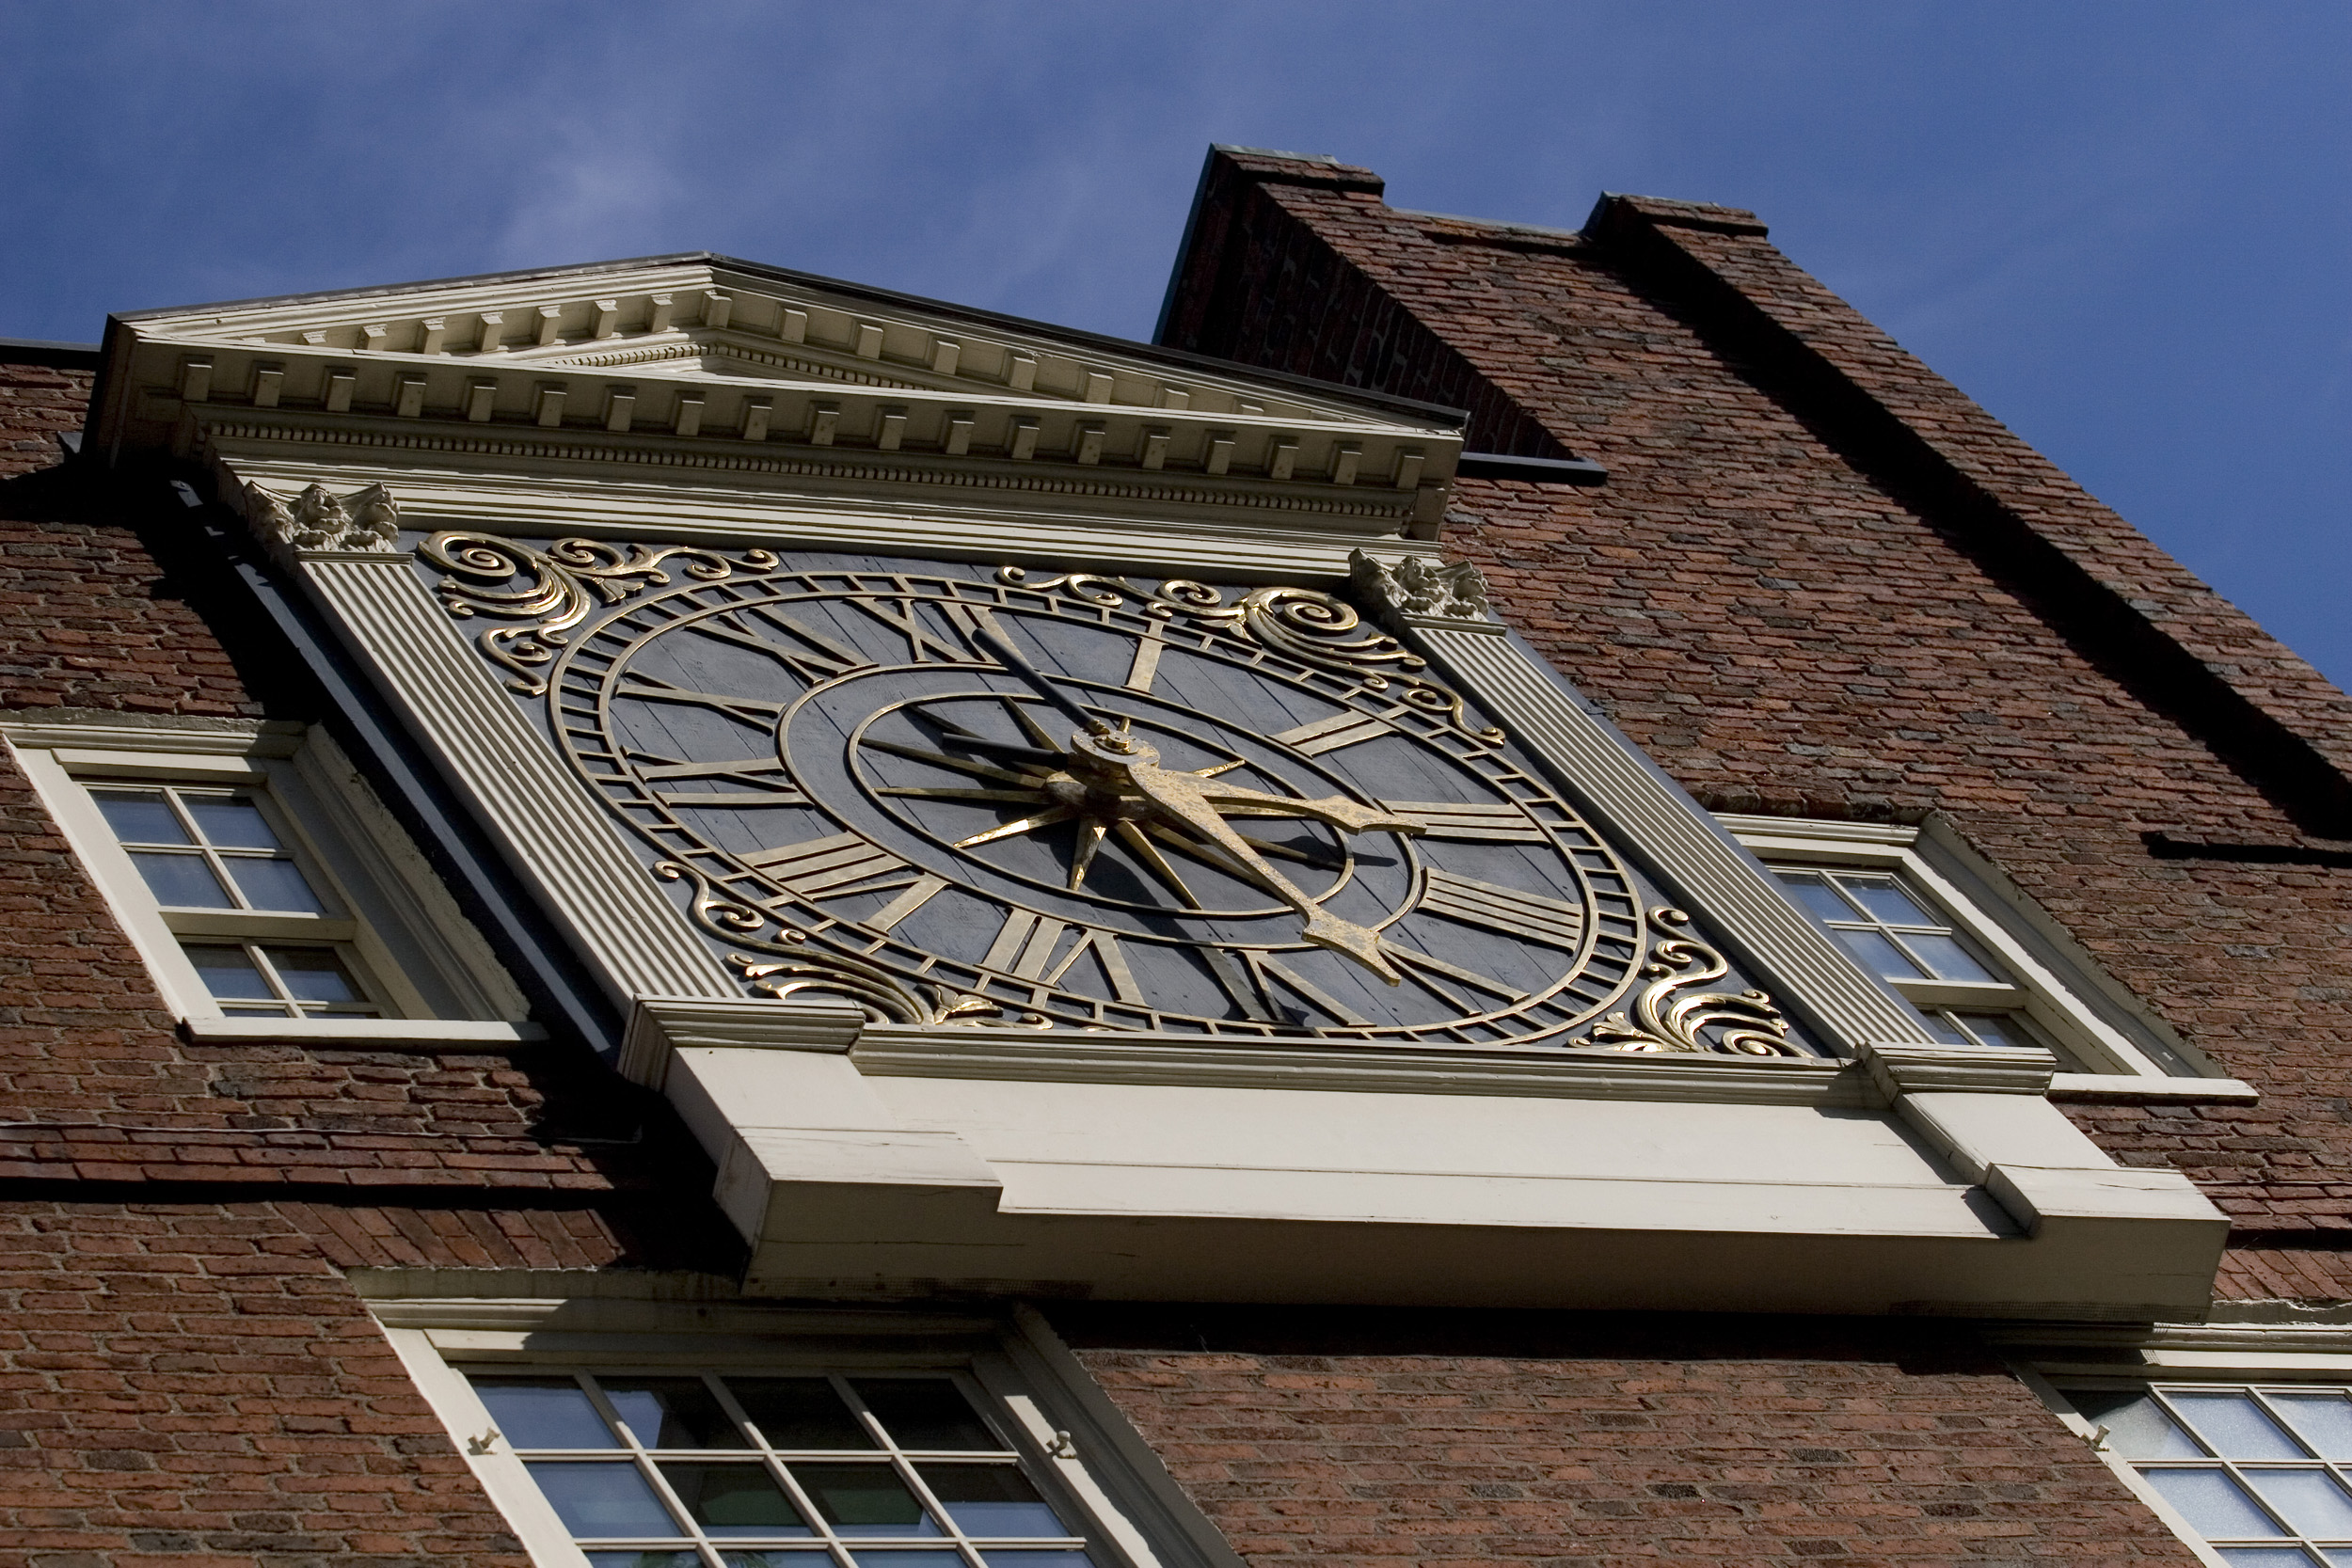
{"x": 2097, "y": 1027}
{"x": 1072, "y": 1441}
{"x": 419, "y": 957}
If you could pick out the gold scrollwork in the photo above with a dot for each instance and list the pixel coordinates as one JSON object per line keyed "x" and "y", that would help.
{"x": 787, "y": 965}
{"x": 554, "y": 589}
{"x": 1313, "y": 627}
{"x": 1670, "y": 1015}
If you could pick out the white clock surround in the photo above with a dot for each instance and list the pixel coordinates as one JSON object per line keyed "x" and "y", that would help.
{"x": 867, "y": 1160}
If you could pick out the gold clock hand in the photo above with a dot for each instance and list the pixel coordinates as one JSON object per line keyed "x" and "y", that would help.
{"x": 1340, "y": 812}
{"x": 1184, "y": 798}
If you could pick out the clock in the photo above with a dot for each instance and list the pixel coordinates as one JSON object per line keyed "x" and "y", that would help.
{"x": 979, "y": 794}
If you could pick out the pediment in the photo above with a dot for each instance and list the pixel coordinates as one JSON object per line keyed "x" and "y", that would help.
{"x": 702, "y": 347}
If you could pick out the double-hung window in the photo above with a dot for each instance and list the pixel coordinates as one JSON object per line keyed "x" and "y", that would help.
{"x": 638, "y": 1434}
{"x": 2260, "y": 1474}
{"x": 1981, "y": 965}
{"x": 266, "y": 887}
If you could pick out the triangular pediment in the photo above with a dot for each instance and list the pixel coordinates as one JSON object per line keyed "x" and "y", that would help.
{"x": 713, "y": 349}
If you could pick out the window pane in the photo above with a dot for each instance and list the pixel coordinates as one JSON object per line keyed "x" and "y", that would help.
{"x": 602, "y": 1500}
{"x": 664, "y": 1559}
{"x": 272, "y": 884}
{"x": 1999, "y": 1029}
{"x": 926, "y": 1412}
{"x": 2234, "y": 1426}
{"x": 798, "y": 1412}
{"x": 733, "y": 1499}
{"x": 313, "y": 974}
{"x": 1035, "y": 1558}
{"x": 768, "y": 1556}
{"x": 1942, "y": 1027}
{"x": 182, "y": 882}
{"x": 231, "y": 822}
{"x": 672, "y": 1412}
{"x": 2212, "y": 1503}
{"x": 228, "y": 973}
{"x": 991, "y": 1500}
{"x": 2268, "y": 1556}
{"x": 1887, "y": 901}
{"x": 139, "y": 815}
{"x": 1878, "y": 955}
{"x": 864, "y": 1499}
{"x": 2324, "y": 1419}
{"x": 543, "y": 1412}
{"x": 2137, "y": 1428}
{"x": 2313, "y": 1500}
{"x": 1817, "y": 899}
{"x": 933, "y": 1558}
{"x": 1947, "y": 959}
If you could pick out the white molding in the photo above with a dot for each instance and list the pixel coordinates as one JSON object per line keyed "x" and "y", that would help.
{"x": 50, "y": 729}
{"x": 734, "y": 510}
{"x": 1739, "y": 903}
{"x": 1076, "y": 1057}
{"x": 2116, "y": 1088}
{"x": 551, "y": 830}
{"x": 331, "y": 1031}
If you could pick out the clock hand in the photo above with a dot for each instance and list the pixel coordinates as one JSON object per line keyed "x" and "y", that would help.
{"x": 1340, "y": 812}
{"x": 1184, "y": 798}
{"x": 991, "y": 639}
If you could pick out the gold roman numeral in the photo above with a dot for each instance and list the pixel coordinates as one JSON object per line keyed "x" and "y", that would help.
{"x": 1487, "y": 823}
{"x": 1329, "y": 734}
{"x": 1502, "y": 908}
{"x": 829, "y": 867}
{"x": 905, "y": 618}
{"x": 771, "y": 786}
{"x": 1025, "y": 948}
{"x": 748, "y": 710}
{"x": 811, "y": 655}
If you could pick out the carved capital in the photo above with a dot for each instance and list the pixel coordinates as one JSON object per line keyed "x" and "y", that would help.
{"x": 1414, "y": 588}
{"x": 364, "y": 522}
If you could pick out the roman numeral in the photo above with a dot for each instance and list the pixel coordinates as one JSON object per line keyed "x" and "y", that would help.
{"x": 828, "y": 867}
{"x": 812, "y": 655}
{"x": 1025, "y": 947}
{"x": 1146, "y": 665}
{"x": 770, "y": 784}
{"x": 1502, "y": 908}
{"x": 748, "y": 711}
{"x": 914, "y": 898}
{"x": 1291, "y": 980}
{"x": 905, "y": 618}
{"x": 1443, "y": 819}
{"x": 1430, "y": 972}
{"x": 1329, "y": 734}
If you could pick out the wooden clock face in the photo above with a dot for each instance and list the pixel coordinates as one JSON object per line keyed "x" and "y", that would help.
{"x": 872, "y": 778}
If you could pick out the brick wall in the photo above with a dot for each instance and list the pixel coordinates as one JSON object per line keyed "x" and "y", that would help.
{"x": 185, "y": 1377}
{"x": 1588, "y": 1440}
{"x": 1821, "y": 582}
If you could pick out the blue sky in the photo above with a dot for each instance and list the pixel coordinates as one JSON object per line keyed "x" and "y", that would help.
{"x": 2122, "y": 227}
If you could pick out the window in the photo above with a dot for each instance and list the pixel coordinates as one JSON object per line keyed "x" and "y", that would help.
{"x": 628, "y": 1429}
{"x": 722, "y": 1469}
{"x": 264, "y": 884}
{"x": 247, "y": 913}
{"x": 1885, "y": 922}
{"x": 1983, "y": 967}
{"x": 2259, "y": 1473}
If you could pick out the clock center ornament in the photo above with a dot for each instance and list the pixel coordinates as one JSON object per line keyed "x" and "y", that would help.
{"x": 999, "y": 799}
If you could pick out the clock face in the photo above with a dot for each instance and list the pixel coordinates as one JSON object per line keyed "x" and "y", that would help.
{"x": 965, "y": 794}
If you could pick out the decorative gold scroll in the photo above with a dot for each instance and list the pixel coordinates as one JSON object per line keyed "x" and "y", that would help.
{"x": 1668, "y": 1014}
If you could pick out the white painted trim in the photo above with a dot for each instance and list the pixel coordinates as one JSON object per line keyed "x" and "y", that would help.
{"x": 2056, "y": 1401}
{"x": 1734, "y": 901}
{"x": 328, "y": 1031}
{"x": 552, "y": 831}
{"x": 734, "y": 510}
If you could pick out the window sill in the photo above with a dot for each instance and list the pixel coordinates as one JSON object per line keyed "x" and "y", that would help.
{"x": 418, "y": 1030}
{"x": 2118, "y": 1088}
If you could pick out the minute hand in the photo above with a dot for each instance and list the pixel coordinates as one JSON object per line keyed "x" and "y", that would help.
{"x": 1186, "y": 798}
